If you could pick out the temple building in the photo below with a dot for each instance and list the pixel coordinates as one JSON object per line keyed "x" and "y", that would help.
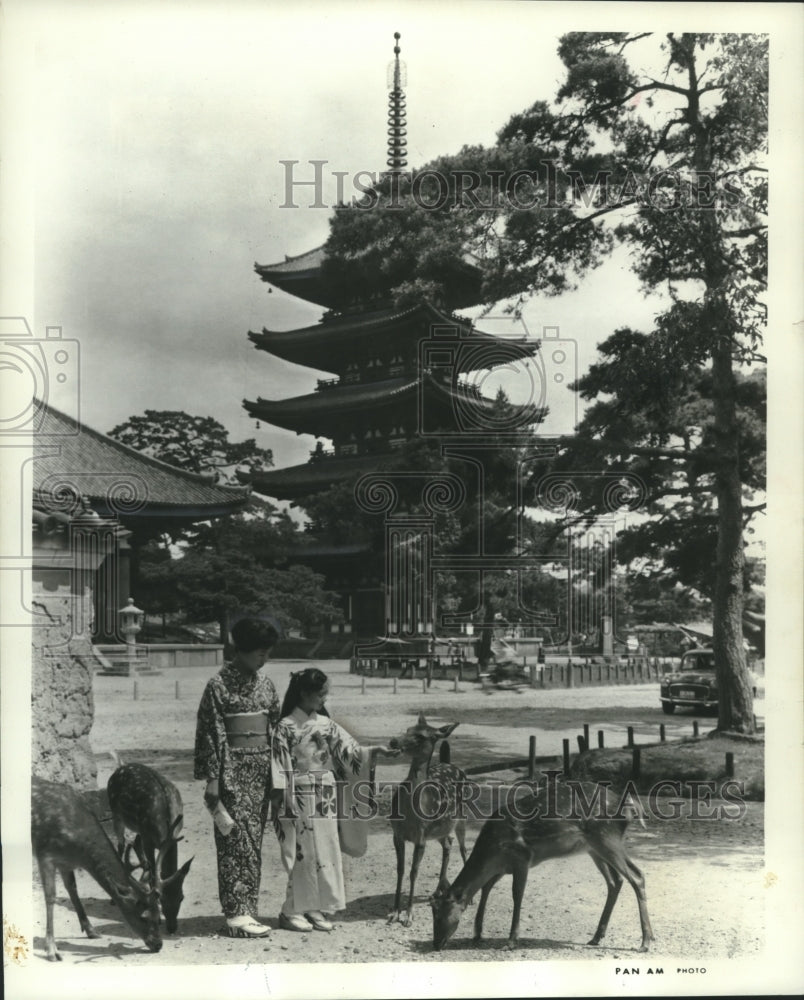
{"x": 88, "y": 479}
{"x": 398, "y": 373}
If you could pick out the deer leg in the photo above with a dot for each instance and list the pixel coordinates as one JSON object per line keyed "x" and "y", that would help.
{"x": 614, "y": 855}
{"x": 613, "y": 885}
{"x": 460, "y": 833}
{"x": 520, "y": 874}
{"x": 47, "y": 872}
{"x": 418, "y": 851}
{"x": 68, "y": 877}
{"x": 446, "y": 847}
{"x": 481, "y": 906}
{"x": 399, "y": 846}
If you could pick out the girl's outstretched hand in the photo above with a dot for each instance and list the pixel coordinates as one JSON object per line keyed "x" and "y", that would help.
{"x": 388, "y": 751}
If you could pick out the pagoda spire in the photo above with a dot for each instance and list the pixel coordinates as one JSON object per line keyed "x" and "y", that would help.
{"x": 397, "y": 143}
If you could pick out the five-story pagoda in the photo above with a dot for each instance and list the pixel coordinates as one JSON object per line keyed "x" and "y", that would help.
{"x": 397, "y": 373}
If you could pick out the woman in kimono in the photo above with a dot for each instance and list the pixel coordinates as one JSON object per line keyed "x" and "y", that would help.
{"x": 310, "y": 754}
{"x": 236, "y": 718}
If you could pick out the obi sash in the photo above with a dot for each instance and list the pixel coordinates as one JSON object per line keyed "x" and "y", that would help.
{"x": 246, "y": 730}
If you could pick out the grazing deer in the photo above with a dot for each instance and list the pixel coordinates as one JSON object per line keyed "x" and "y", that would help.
{"x": 66, "y": 835}
{"x": 146, "y": 803}
{"x": 426, "y": 792}
{"x": 508, "y": 844}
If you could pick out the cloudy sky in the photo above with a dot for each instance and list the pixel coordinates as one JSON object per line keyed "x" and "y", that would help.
{"x": 156, "y": 134}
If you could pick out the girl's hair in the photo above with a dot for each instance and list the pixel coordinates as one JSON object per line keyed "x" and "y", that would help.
{"x": 249, "y": 634}
{"x": 303, "y": 682}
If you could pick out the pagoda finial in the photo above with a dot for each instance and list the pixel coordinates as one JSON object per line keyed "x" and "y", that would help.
{"x": 397, "y": 79}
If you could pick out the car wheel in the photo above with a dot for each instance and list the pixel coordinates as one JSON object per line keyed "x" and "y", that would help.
{"x": 668, "y": 707}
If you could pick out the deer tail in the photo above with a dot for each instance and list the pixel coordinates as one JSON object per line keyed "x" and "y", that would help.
{"x": 632, "y": 809}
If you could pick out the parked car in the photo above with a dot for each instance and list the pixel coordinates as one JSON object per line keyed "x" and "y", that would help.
{"x": 694, "y": 684}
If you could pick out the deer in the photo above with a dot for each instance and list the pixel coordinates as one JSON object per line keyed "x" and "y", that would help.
{"x": 147, "y": 804}
{"x": 67, "y": 835}
{"x": 510, "y": 844}
{"x": 412, "y": 804}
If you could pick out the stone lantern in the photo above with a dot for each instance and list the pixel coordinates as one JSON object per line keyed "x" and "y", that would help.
{"x": 131, "y": 619}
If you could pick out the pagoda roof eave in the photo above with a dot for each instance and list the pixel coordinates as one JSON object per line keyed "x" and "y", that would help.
{"x": 314, "y": 412}
{"x": 297, "y": 481}
{"x": 326, "y": 342}
{"x": 302, "y": 276}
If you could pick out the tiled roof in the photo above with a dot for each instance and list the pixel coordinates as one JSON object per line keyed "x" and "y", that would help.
{"x": 310, "y": 260}
{"x": 118, "y": 478}
{"x": 298, "y": 410}
{"x": 300, "y": 480}
{"x": 331, "y": 343}
{"x": 376, "y": 320}
{"x": 303, "y": 276}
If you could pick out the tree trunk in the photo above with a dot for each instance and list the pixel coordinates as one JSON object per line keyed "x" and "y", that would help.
{"x": 735, "y": 698}
{"x": 736, "y": 709}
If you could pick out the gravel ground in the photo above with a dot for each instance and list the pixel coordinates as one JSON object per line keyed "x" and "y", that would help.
{"x": 705, "y": 880}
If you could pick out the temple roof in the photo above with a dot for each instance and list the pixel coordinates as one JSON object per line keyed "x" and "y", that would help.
{"x": 301, "y": 480}
{"x": 305, "y": 277}
{"x": 308, "y": 414}
{"x": 299, "y": 276}
{"x": 117, "y": 479}
{"x": 330, "y": 344}
{"x": 320, "y": 413}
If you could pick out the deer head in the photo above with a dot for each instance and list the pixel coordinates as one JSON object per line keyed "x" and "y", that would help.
{"x": 139, "y": 902}
{"x": 447, "y": 912}
{"x": 419, "y": 741}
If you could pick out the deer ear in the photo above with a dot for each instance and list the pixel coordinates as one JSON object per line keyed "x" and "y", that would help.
{"x": 444, "y": 731}
{"x": 422, "y": 721}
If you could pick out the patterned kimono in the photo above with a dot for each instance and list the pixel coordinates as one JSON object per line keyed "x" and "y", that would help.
{"x": 243, "y": 774}
{"x": 310, "y": 754}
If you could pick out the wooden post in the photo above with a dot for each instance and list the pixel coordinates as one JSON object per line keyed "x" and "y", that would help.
{"x": 694, "y": 727}
{"x": 661, "y": 732}
{"x": 569, "y": 672}
{"x": 424, "y": 685}
{"x": 178, "y": 696}
{"x": 395, "y": 682}
{"x": 532, "y": 759}
{"x": 581, "y": 744}
{"x": 363, "y": 684}
{"x": 729, "y": 765}
{"x": 616, "y": 673}
{"x": 636, "y": 763}
{"x": 586, "y": 734}
{"x": 541, "y": 677}
{"x": 533, "y": 675}
{"x": 455, "y": 684}
{"x": 566, "y": 758}
{"x": 600, "y": 738}
{"x": 630, "y": 736}
{"x": 136, "y": 691}
{"x": 386, "y": 666}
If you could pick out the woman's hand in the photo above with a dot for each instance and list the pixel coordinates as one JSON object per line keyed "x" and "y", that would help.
{"x": 211, "y": 793}
{"x": 387, "y": 751}
{"x": 276, "y": 797}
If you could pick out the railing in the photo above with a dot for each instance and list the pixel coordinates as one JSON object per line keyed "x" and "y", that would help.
{"x": 326, "y": 383}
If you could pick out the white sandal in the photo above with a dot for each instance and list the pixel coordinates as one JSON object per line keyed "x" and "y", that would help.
{"x": 246, "y": 927}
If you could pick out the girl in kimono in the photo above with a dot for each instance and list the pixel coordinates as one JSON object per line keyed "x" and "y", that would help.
{"x": 236, "y": 719}
{"x": 310, "y": 754}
